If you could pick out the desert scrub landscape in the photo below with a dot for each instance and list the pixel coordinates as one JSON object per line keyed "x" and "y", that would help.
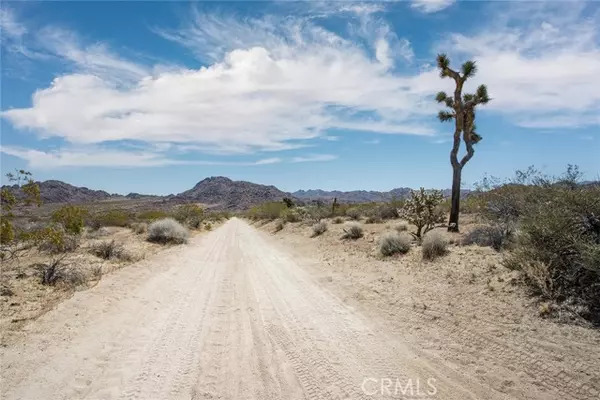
{"x": 532, "y": 235}
{"x": 50, "y": 253}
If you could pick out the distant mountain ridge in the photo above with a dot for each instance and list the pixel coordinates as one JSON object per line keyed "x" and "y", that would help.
{"x": 217, "y": 191}
{"x": 361, "y": 196}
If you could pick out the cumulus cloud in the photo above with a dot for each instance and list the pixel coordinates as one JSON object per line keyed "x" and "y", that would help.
{"x": 275, "y": 84}
{"x": 431, "y": 6}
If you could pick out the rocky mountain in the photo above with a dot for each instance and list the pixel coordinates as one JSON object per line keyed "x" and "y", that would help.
{"x": 60, "y": 192}
{"x": 227, "y": 194}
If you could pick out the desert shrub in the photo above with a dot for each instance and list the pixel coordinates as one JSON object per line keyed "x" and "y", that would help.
{"x": 493, "y": 236}
{"x": 269, "y": 211}
{"x": 194, "y": 223}
{"x": 316, "y": 213}
{"x": 186, "y": 212}
{"x": 422, "y": 210}
{"x": 71, "y": 218}
{"x": 56, "y": 271}
{"x": 111, "y": 218}
{"x": 338, "y": 220}
{"x": 386, "y": 211}
{"x": 353, "y": 213}
{"x": 319, "y": 228}
{"x": 139, "y": 227}
{"x": 167, "y": 231}
{"x": 434, "y": 245}
{"x": 109, "y": 250}
{"x": 401, "y": 226}
{"x": 393, "y": 243}
{"x": 373, "y": 220}
{"x": 558, "y": 246}
{"x": 54, "y": 240}
{"x": 290, "y": 215}
{"x": 208, "y": 226}
{"x": 353, "y": 230}
{"x": 28, "y": 193}
{"x": 152, "y": 215}
{"x": 279, "y": 226}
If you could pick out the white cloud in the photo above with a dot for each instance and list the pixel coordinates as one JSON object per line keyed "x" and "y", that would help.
{"x": 276, "y": 83}
{"x": 95, "y": 59}
{"x": 98, "y": 157}
{"x": 541, "y": 71}
{"x": 10, "y": 27}
{"x": 314, "y": 158}
{"x": 274, "y": 86}
{"x": 431, "y": 6}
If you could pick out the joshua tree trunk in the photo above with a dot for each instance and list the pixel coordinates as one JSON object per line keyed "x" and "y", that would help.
{"x": 455, "y": 200}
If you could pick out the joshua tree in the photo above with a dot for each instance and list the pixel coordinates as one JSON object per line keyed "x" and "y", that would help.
{"x": 462, "y": 111}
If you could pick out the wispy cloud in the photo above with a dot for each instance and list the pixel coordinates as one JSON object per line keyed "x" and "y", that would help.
{"x": 314, "y": 158}
{"x": 100, "y": 157}
{"x": 431, "y": 6}
{"x": 541, "y": 63}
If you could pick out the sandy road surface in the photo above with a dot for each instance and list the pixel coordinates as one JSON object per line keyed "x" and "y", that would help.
{"x": 229, "y": 316}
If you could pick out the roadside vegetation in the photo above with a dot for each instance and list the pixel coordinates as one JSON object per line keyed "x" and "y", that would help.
{"x": 545, "y": 228}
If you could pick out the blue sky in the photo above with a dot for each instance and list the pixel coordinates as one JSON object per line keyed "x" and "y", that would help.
{"x": 154, "y": 96}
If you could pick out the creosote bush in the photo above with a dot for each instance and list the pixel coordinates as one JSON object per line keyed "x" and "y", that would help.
{"x": 353, "y": 230}
{"x": 269, "y": 211}
{"x": 353, "y": 213}
{"x": 319, "y": 228}
{"x": 434, "y": 245}
{"x": 558, "y": 246}
{"x": 185, "y": 213}
{"x": 167, "y": 230}
{"x": 394, "y": 243}
{"x": 338, "y": 220}
{"x": 111, "y": 218}
{"x": 71, "y": 218}
{"x": 290, "y": 215}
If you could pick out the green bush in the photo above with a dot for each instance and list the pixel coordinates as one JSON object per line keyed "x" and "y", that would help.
{"x": 290, "y": 215}
{"x": 152, "y": 215}
{"x": 111, "y": 218}
{"x": 71, "y": 218}
{"x": 186, "y": 212}
{"x": 393, "y": 243}
{"x": 558, "y": 245}
{"x": 269, "y": 211}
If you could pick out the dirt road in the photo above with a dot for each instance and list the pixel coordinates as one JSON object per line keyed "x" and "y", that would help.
{"x": 228, "y": 316}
